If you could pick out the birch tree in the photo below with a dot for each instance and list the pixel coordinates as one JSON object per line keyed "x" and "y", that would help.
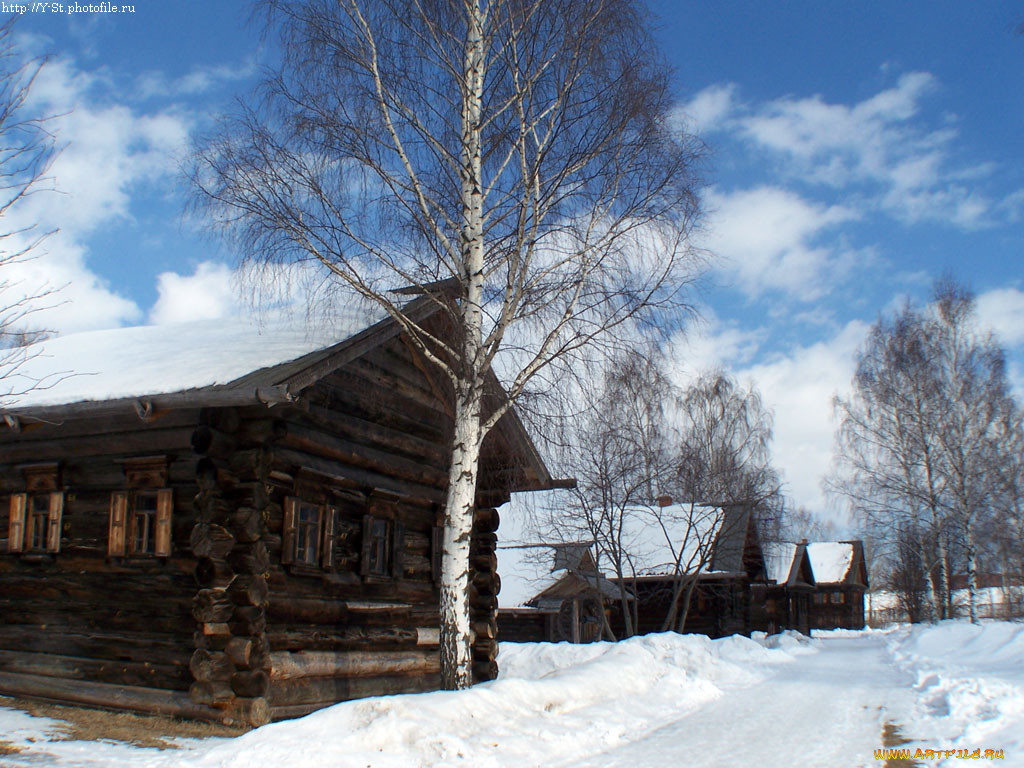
{"x": 924, "y": 441}
{"x": 518, "y": 152}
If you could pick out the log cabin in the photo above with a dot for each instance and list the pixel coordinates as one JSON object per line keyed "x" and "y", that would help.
{"x": 217, "y": 522}
{"x": 841, "y": 579}
{"x": 783, "y": 600}
{"x": 717, "y": 550}
{"x": 669, "y": 549}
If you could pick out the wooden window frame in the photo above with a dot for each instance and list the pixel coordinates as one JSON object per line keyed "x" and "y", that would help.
{"x": 321, "y": 534}
{"x": 382, "y": 549}
{"x": 23, "y": 521}
{"x": 24, "y": 537}
{"x": 123, "y": 521}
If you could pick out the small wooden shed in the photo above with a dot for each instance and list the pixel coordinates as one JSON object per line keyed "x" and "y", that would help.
{"x": 571, "y": 603}
{"x": 218, "y": 522}
{"x": 841, "y": 579}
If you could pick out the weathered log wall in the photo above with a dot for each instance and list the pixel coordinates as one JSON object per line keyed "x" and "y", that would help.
{"x": 227, "y": 624}
{"x": 77, "y": 618}
{"x": 719, "y": 607}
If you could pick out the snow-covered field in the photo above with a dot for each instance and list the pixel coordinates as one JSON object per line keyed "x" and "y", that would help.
{"x": 661, "y": 700}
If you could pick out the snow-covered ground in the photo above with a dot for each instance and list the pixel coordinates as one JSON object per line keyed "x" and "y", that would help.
{"x": 661, "y": 700}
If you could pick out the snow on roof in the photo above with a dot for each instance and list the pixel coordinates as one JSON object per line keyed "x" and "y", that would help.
{"x": 160, "y": 359}
{"x": 525, "y": 571}
{"x": 668, "y": 540}
{"x": 830, "y": 560}
{"x": 778, "y": 560}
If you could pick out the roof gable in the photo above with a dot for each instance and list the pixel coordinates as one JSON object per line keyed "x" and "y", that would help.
{"x": 838, "y": 562}
{"x": 788, "y": 564}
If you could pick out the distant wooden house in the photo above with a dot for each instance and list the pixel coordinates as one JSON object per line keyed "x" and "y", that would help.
{"x": 208, "y": 522}
{"x": 712, "y": 553}
{"x": 571, "y": 603}
{"x": 783, "y": 600}
{"x": 841, "y": 577}
{"x": 717, "y": 549}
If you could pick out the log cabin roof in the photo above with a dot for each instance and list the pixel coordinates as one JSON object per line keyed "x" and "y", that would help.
{"x": 838, "y": 562}
{"x": 220, "y": 363}
{"x": 689, "y": 538}
{"x": 788, "y": 564}
{"x": 182, "y": 364}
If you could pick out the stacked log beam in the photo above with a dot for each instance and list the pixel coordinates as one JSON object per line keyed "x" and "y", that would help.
{"x": 231, "y": 661}
{"x": 484, "y": 587}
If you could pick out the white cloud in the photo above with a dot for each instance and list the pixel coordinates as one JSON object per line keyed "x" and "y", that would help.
{"x": 769, "y": 240}
{"x": 710, "y": 344}
{"x": 207, "y": 294}
{"x": 799, "y": 387}
{"x": 882, "y": 146}
{"x": 708, "y": 110}
{"x": 108, "y": 152}
{"x": 84, "y": 301}
{"x": 1002, "y": 310}
{"x": 199, "y": 80}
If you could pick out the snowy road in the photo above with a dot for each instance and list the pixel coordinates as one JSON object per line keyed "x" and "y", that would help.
{"x": 824, "y": 710}
{"x": 656, "y": 701}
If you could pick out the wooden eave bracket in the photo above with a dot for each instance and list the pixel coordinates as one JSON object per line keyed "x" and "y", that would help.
{"x": 13, "y": 422}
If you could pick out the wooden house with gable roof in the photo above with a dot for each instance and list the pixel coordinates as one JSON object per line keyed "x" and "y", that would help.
{"x": 213, "y": 522}
{"x": 783, "y": 600}
{"x": 716, "y": 549}
{"x": 841, "y": 577}
{"x": 670, "y": 550}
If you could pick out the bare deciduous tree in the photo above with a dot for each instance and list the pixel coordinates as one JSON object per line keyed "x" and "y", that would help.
{"x": 521, "y": 151}
{"x": 725, "y": 448}
{"x": 618, "y": 446}
{"x": 924, "y": 446}
{"x": 640, "y": 441}
{"x": 26, "y": 151}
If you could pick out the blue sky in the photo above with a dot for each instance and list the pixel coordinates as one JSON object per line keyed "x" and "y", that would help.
{"x": 857, "y": 150}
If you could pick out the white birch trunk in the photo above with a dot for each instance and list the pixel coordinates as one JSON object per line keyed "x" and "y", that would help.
{"x": 456, "y": 652}
{"x": 972, "y": 577}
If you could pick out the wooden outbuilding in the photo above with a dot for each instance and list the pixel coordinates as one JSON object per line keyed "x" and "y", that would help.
{"x": 571, "y": 604}
{"x": 841, "y": 579}
{"x": 212, "y": 522}
{"x": 783, "y": 600}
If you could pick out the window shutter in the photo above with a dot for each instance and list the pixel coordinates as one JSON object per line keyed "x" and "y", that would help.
{"x": 327, "y": 550}
{"x": 16, "y": 526}
{"x": 164, "y": 510}
{"x": 364, "y": 555}
{"x": 118, "y": 516}
{"x": 291, "y": 513}
{"x": 398, "y": 550}
{"x": 53, "y": 522}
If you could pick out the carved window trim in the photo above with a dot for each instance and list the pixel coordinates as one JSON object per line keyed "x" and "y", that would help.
{"x": 141, "y": 516}
{"x": 36, "y": 518}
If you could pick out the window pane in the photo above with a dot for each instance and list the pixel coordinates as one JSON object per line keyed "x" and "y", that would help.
{"x": 39, "y": 516}
{"x": 143, "y": 523}
{"x": 307, "y": 534}
{"x": 380, "y": 547}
